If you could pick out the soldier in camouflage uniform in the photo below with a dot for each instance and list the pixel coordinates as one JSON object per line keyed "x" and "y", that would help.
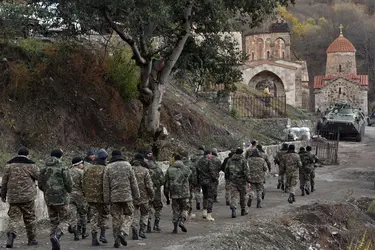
{"x": 78, "y": 204}
{"x": 207, "y": 178}
{"x": 258, "y": 168}
{"x": 88, "y": 160}
{"x": 267, "y": 159}
{"x": 157, "y": 177}
{"x": 305, "y": 171}
{"x": 217, "y": 165}
{"x": 56, "y": 183}
{"x": 312, "y": 174}
{"x": 120, "y": 189}
{"x": 278, "y": 156}
{"x": 196, "y": 190}
{"x": 177, "y": 187}
{"x": 146, "y": 194}
{"x": 93, "y": 190}
{"x": 237, "y": 172}
{"x": 18, "y": 188}
{"x": 227, "y": 182}
{"x": 291, "y": 162}
{"x": 193, "y": 181}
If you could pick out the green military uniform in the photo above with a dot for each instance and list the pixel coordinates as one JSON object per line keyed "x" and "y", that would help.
{"x": 157, "y": 177}
{"x": 305, "y": 171}
{"x": 19, "y": 189}
{"x": 177, "y": 187}
{"x": 216, "y": 162}
{"x": 312, "y": 174}
{"x": 195, "y": 189}
{"x": 120, "y": 189}
{"x": 278, "y": 156}
{"x": 258, "y": 168}
{"x": 291, "y": 162}
{"x": 193, "y": 181}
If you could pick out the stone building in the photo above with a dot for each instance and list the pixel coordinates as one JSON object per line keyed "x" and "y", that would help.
{"x": 270, "y": 64}
{"x": 341, "y": 81}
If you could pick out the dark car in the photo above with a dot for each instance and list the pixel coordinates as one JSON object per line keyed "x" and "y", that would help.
{"x": 371, "y": 119}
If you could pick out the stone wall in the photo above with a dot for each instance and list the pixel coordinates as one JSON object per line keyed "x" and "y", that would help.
{"x": 347, "y": 61}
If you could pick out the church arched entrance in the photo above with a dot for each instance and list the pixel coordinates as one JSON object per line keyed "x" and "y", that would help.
{"x": 267, "y": 79}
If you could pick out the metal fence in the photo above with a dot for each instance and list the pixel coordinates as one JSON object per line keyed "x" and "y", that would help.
{"x": 326, "y": 146}
{"x": 259, "y": 106}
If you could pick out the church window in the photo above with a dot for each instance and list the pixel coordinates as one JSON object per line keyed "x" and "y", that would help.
{"x": 268, "y": 55}
{"x": 340, "y": 69}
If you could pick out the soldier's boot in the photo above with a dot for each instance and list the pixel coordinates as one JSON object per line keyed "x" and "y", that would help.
{"x": 55, "y": 241}
{"x": 76, "y": 235}
{"x": 181, "y": 225}
{"x": 175, "y": 227}
{"x": 293, "y": 198}
{"x": 84, "y": 233}
{"x": 71, "y": 229}
{"x": 307, "y": 191}
{"x": 142, "y": 231}
{"x": 290, "y": 199}
{"x": 227, "y": 203}
{"x": 279, "y": 185}
{"x": 102, "y": 238}
{"x": 263, "y": 194}
{"x": 303, "y": 192}
{"x": 234, "y": 214}
{"x": 198, "y": 206}
{"x": 149, "y": 226}
{"x": 209, "y": 217}
{"x": 312, "y": 188}
{"x": 204, "y": 215}
{"x": 121, "y": 239}
{"x": 249, "y": 202}
{"x": 94, "y": 240}
{"x": 10, "y": 240}
{"x": 282, "y": 186}
{"x": 244, "y": 212}
{"x": 215, "y": 199}
{"x": 32, "y": 242}
{"x": 134, "y": 233}
{"x": 156, "y": 225}
{"x": 259, "y": 204}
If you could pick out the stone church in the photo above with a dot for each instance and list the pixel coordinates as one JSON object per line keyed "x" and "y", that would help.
{"x": 341, "y": 81}
{"x": 270, "y": 64}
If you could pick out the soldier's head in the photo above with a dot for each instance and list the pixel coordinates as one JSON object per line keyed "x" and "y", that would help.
{"x": 260, "y": 148}
{"x": 214, "y": 151}
{"x": 91, "y": 154}
{"x": 102, "y": 154}
{"x": 23, "y": 151}
{"x": 302, "y": 149}
{"x": 308, "y": 148}
{"x": 58, "y": 153}
{"x": 284, "y": 146}
{"x": 207, "y": 152}
{"x": 239, "y": 151}
{"x": 139, "y": 157}
{"x": 254, "y": 143}
{"x": 77, "y": 162}
{"x": 116, "y": 153}
{"x": 149, "y": 155}
{"x": 177, "y": 157}
{"x": 291, "y": 147}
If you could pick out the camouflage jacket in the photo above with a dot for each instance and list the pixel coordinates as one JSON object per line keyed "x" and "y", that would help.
{"x": 145, "y": 185}
{"x": 206, "y": 171}
{"x": 157, "y": 177}
{"x": 267, "y": 159}
{"x": 193, "y": 167}
{"x": 216, "y": 164}
{"x": 279, "y": 155}
{"x": 177, "y": 184}
{"x": 258, "y": 167}
{"x": 291, "y": 162}
{"x": 193, "y": 177}
{"x": 199, "y": 155}
{"x": 307, "y": 162}
{"x": 237, "y": 170}
{"x": 77, "y": 177}
{"x": 19, "y": 179}
{"x": 120, "y": 183}
{"x": 314, "y": 157}
{"x": 92, "y": 182}
{"x": 55, "y": 181}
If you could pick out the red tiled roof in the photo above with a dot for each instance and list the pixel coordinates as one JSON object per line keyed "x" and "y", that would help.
{"x": 341, "y": 44}
{"x": 319, "y": 81}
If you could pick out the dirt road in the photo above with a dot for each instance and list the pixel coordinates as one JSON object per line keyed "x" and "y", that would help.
{"x": 353, "y": 178}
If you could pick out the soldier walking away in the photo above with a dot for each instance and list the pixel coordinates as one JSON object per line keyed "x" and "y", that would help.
{"x": 291, "y": 162}
{"x": 227, "y": 182}
{"x": 197, "y": 189}
{"x": 78, "y": 204}
{"x": 177, "y": 188}
{"x": 193, "y": 181}
{"x": 278, "y": 156}
{"x": 207, "y": 179}
{"x": 56, "y": 183}
{"x": 237, "y": 172}
{"x": 217, "y": 165}
{"x": 146, "y": 194}
{"x": 93, "y": 190}
{"x": 312, "y": 174}
{"x": 305, "y": 171}
{"x": 18, "y": 188}
{"x": 266, "y": 158}
{"x": 157, "y": 177}
{"x": 250, "y": 149}
{"x": 120, "y": 189}
{"x": 258, "y": 168}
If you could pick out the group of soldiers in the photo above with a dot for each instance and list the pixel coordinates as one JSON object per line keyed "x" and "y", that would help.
{"x": 97, "y": 186}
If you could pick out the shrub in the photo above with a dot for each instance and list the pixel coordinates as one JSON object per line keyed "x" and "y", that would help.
{"x": 234, "y": 113}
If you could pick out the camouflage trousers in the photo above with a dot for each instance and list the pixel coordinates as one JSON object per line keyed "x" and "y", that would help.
{"x": 237, "y": 192}
{"x": 291, "y": 182}
{"x": 78, "y": 212}
{"x": 257, "y": 188}
{"x": 27, "y": 212}
{"x": 195, "y": 193}
{"x": 227, "y": 191}
{"x": 208, "y": 190}
{"x": 140, "y": 215}
{"x": 155, "y": 208}
{"x": 59, "y": 218}
{"x": 304, "y": 180}
{"x": 282, "y": 176}
{"x": 122, "y": 217}
{"x": 180, "y": 209}
{"x": 312, "y": 179}
{"x": 99, "y": 216}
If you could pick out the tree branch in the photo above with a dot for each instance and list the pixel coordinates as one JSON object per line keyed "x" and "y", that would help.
{"x": 128, "y": 39}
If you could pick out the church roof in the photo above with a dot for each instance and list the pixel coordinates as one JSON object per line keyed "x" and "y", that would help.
{"x": 320, "y": 81}
{"x": 341, "y": 44}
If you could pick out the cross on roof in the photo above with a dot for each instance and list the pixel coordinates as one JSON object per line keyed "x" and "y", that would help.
{"x": 341, "y": 27}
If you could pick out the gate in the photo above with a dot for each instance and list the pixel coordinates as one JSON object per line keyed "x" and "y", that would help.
{"x": 259, "y": 106}
{"x": 326, "y": 146}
